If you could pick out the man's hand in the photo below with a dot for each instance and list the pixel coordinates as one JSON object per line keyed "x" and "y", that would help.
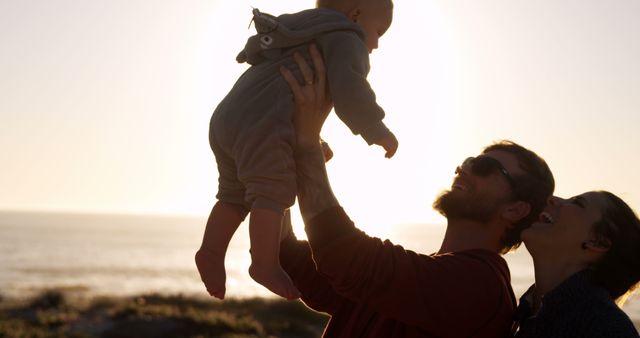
{"x": 389, "y": 143}
{"x": 312, "y": 106}
{"x": 312, "y": 101}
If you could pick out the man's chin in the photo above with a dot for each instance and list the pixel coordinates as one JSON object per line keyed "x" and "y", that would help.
{"x": 448, "y": 203}
{"x": 458, "y": 205}
{"x": 438, "y": 203}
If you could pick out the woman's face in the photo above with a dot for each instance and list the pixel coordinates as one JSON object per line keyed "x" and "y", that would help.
{"x": 564, "y": 225}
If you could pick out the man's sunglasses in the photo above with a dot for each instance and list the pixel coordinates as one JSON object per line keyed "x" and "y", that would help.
{"x": 484, "y": 166}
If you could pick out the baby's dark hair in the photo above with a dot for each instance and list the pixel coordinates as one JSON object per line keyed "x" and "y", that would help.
{"x": 619, "y": 269}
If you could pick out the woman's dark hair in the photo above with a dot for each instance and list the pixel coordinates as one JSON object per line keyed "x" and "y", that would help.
{"x": 535, "y": 187}
{"x": 619, "y": 269}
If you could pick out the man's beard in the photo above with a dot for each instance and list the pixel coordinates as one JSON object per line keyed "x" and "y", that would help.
{"x": 468, "y": 206}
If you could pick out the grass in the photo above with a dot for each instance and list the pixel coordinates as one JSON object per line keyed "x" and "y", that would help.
{"x": 54, "y": 314}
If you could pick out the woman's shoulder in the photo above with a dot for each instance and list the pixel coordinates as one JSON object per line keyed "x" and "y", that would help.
{"x": 577, "y": 308}
{"x": 599, "y": 316}
{"x": 609, "y": 320}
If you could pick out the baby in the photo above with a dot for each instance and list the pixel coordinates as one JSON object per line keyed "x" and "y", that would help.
{"x": 252, "y": 136}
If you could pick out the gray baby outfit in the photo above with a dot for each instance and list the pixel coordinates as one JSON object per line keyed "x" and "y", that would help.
{"x": 251, "y": 132}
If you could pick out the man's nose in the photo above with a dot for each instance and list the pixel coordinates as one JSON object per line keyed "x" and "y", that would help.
{"x": 461, "y": 170}
{"x": 374, "y": 44}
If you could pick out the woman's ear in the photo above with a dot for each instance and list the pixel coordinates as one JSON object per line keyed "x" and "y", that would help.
{"x": 354, "y": 14}
{"x": 514, "y": 212}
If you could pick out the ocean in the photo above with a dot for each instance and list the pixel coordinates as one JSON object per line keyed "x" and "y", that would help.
{"x": 123, "y": 255}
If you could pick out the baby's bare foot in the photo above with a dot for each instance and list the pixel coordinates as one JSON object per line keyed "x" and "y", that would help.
{"x": 275, "y": 279}
{"x": 212, "y": 272}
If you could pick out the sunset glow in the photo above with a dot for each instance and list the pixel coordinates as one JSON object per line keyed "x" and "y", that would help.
{"x": 106, "y": 104}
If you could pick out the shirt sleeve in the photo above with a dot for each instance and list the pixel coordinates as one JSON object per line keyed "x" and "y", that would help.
{"x": 317, "y": 293}
{"x": 347, "y": 64}
{"x": 450, "y": 295}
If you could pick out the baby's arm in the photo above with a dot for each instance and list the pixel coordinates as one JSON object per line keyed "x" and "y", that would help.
{"x": 326, "y": 150}
{"x": 347, "y": 64}
{"x": 389, "y": 143}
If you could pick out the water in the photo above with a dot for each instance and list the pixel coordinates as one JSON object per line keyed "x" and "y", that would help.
{"x": 108, "y": 255}
{"x": 129, "y": 255}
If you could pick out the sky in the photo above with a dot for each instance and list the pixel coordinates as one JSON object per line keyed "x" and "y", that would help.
{"x": 105, "y": 105}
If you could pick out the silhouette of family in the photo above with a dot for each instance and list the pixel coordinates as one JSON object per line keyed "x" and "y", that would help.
{"x": 265, "y": 135}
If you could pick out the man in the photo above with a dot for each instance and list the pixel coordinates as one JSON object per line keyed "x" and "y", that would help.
{"x": 372, "y": 288}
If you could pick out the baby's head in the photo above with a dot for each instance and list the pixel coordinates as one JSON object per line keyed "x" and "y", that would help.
{"x": 374, "y": 16}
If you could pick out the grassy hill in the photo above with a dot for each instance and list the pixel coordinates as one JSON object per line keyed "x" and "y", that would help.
{"x": 55, "y": 314}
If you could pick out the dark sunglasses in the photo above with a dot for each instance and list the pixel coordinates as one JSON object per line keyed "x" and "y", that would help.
{"x": 484, "y": 166}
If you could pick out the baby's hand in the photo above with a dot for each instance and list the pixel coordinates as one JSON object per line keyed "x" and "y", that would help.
{"x": 389, "y": 143}
{"x": 326, "y": 150}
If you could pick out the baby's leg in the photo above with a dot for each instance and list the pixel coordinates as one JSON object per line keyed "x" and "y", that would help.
{"x": 264, "y": 231}
{"x": 222, "y": 223}
{"x": 267, "y": 169}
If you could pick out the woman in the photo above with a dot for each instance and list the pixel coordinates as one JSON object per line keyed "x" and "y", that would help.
{"x": 586, "y": 254}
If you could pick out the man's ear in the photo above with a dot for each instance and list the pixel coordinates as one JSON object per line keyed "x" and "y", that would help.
{"x": 516, "y": 211}
{"x": 600, "y": 245}
{"x": 354, "y": 14}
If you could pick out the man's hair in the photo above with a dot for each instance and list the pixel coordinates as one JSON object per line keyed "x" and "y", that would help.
{"x": 344, "y": 5}
{"x": 619, "y": 228}
{"x": 535, "y": 187}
